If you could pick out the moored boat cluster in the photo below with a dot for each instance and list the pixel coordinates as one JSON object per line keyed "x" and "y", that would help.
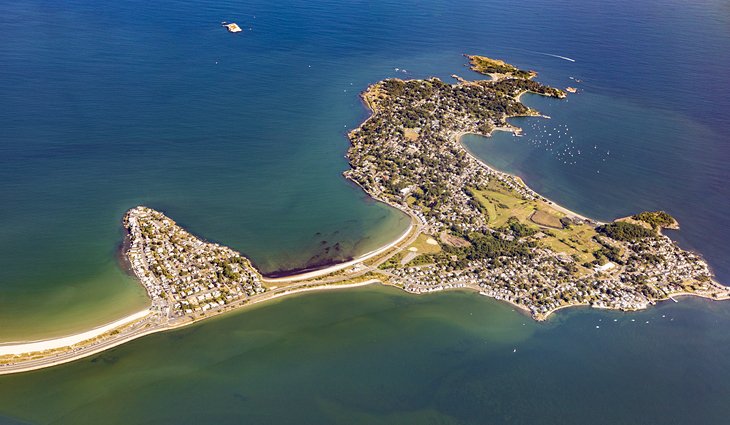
{"x": 407, "y": 154}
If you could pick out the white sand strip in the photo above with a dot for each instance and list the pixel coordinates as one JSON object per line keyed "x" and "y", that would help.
{"x": 50, "y": 344}
{"x": 337, "y": 267}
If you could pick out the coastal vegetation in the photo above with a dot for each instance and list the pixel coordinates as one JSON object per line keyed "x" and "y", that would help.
{"x": 656, "y": 219}
{"x": 625, "y": 231}
{"x": 392, "y": 262}
{"x": 472, "y": 227}
{"x": 485, "y": 65}
{"x": 499, "y": 236}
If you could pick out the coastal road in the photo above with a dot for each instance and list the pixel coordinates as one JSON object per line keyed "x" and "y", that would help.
{"x": 152, "y": 324}
{"x": 143, "y": 327}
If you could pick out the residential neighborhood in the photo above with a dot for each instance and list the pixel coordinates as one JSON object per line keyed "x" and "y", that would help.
{"x": 181, "y": 273}
{"x": 498, "y": 236}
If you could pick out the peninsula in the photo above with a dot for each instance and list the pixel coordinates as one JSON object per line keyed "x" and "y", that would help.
{"x": 473, "y": 228}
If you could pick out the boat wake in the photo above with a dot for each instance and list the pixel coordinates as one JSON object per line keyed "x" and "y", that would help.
{"x": 556, "y": 56}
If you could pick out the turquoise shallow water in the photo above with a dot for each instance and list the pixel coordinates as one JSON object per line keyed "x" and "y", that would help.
{"x": 241, "y": 139}
{"x": 377, "y": 355}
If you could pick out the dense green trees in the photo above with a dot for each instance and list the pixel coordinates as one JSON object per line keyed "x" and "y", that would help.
{"x": 486, "y": 245}
{"x": 519, "y": 229}
{"x": 655, "y": 218}
{"x": 624, "y": 231}
{"x": 513, "y": 86}
{"x": 608, "y": 253}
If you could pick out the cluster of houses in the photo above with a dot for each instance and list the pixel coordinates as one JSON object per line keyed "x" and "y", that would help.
{"x": 181, "y": 273}
{"x": 407, "y": 155}
{"x": 396, "y": 169}
{"x": 544, "y": 283}
{"x": 395, "y": 166}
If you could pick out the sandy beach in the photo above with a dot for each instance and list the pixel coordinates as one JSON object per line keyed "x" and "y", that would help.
{"x": 558, "y": 207}
{"x": 66, "y": 341}
{"x": 91, "y": 349}
{"x": 337, "y": 267}
{"x": 136, "y": 325}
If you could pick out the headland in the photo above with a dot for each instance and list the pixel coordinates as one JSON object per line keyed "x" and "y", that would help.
{"x": 473, "y": 228}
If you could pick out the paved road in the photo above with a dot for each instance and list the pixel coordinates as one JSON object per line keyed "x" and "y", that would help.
{"x": 138, "y": 329}
{"x": 152, "y": 324}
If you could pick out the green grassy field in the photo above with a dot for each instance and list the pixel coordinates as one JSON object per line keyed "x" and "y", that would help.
{"x": 546, "y": 219}
{"x": 577, "y": 240}
{"x": 423, "y": 247}
{"x": 501, "y": 203}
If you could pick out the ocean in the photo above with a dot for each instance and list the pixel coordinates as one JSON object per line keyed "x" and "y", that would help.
{"x": 241, "y": 139}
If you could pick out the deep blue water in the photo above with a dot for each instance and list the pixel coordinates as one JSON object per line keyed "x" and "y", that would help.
{"x": 241, "y": 138}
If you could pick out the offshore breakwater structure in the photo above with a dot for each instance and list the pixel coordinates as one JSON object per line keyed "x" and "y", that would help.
{"x": 472, "y": 228}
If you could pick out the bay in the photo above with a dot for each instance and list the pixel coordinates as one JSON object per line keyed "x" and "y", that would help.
{"x": 241, "y": 139}
{"x": 379, "y": 355}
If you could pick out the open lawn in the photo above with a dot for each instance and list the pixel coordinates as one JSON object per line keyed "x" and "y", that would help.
{"x": 576, "y": 240}
{"x": 545, "y": 219}
{"x": 425, "y": 244}
{"x": 500, "y": 203}
{"x": 410, "y": 134}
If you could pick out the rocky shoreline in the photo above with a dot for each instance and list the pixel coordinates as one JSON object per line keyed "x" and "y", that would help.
{"x": 484, "y": 223}
{"x": 407, "y": 154}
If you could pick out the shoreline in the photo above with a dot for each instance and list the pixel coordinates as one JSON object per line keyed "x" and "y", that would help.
{"x": 46, "y": 362}
{"x": 546, "y": 315}
{"x": 669, "y": 297}
{"x": 337, "y": 267}
{"x": 53, "y": 344}
{"x": 37, "y": 348}
{"x": 323, "y": 287}
{"x": 566, "y": 211}
{"x": 74, "y": 347}
{"x": 23, "y": 347}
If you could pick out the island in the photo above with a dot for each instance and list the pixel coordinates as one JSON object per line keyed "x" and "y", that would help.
{"x": 232, "y": 27}
{"x": 472, "y": 228}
